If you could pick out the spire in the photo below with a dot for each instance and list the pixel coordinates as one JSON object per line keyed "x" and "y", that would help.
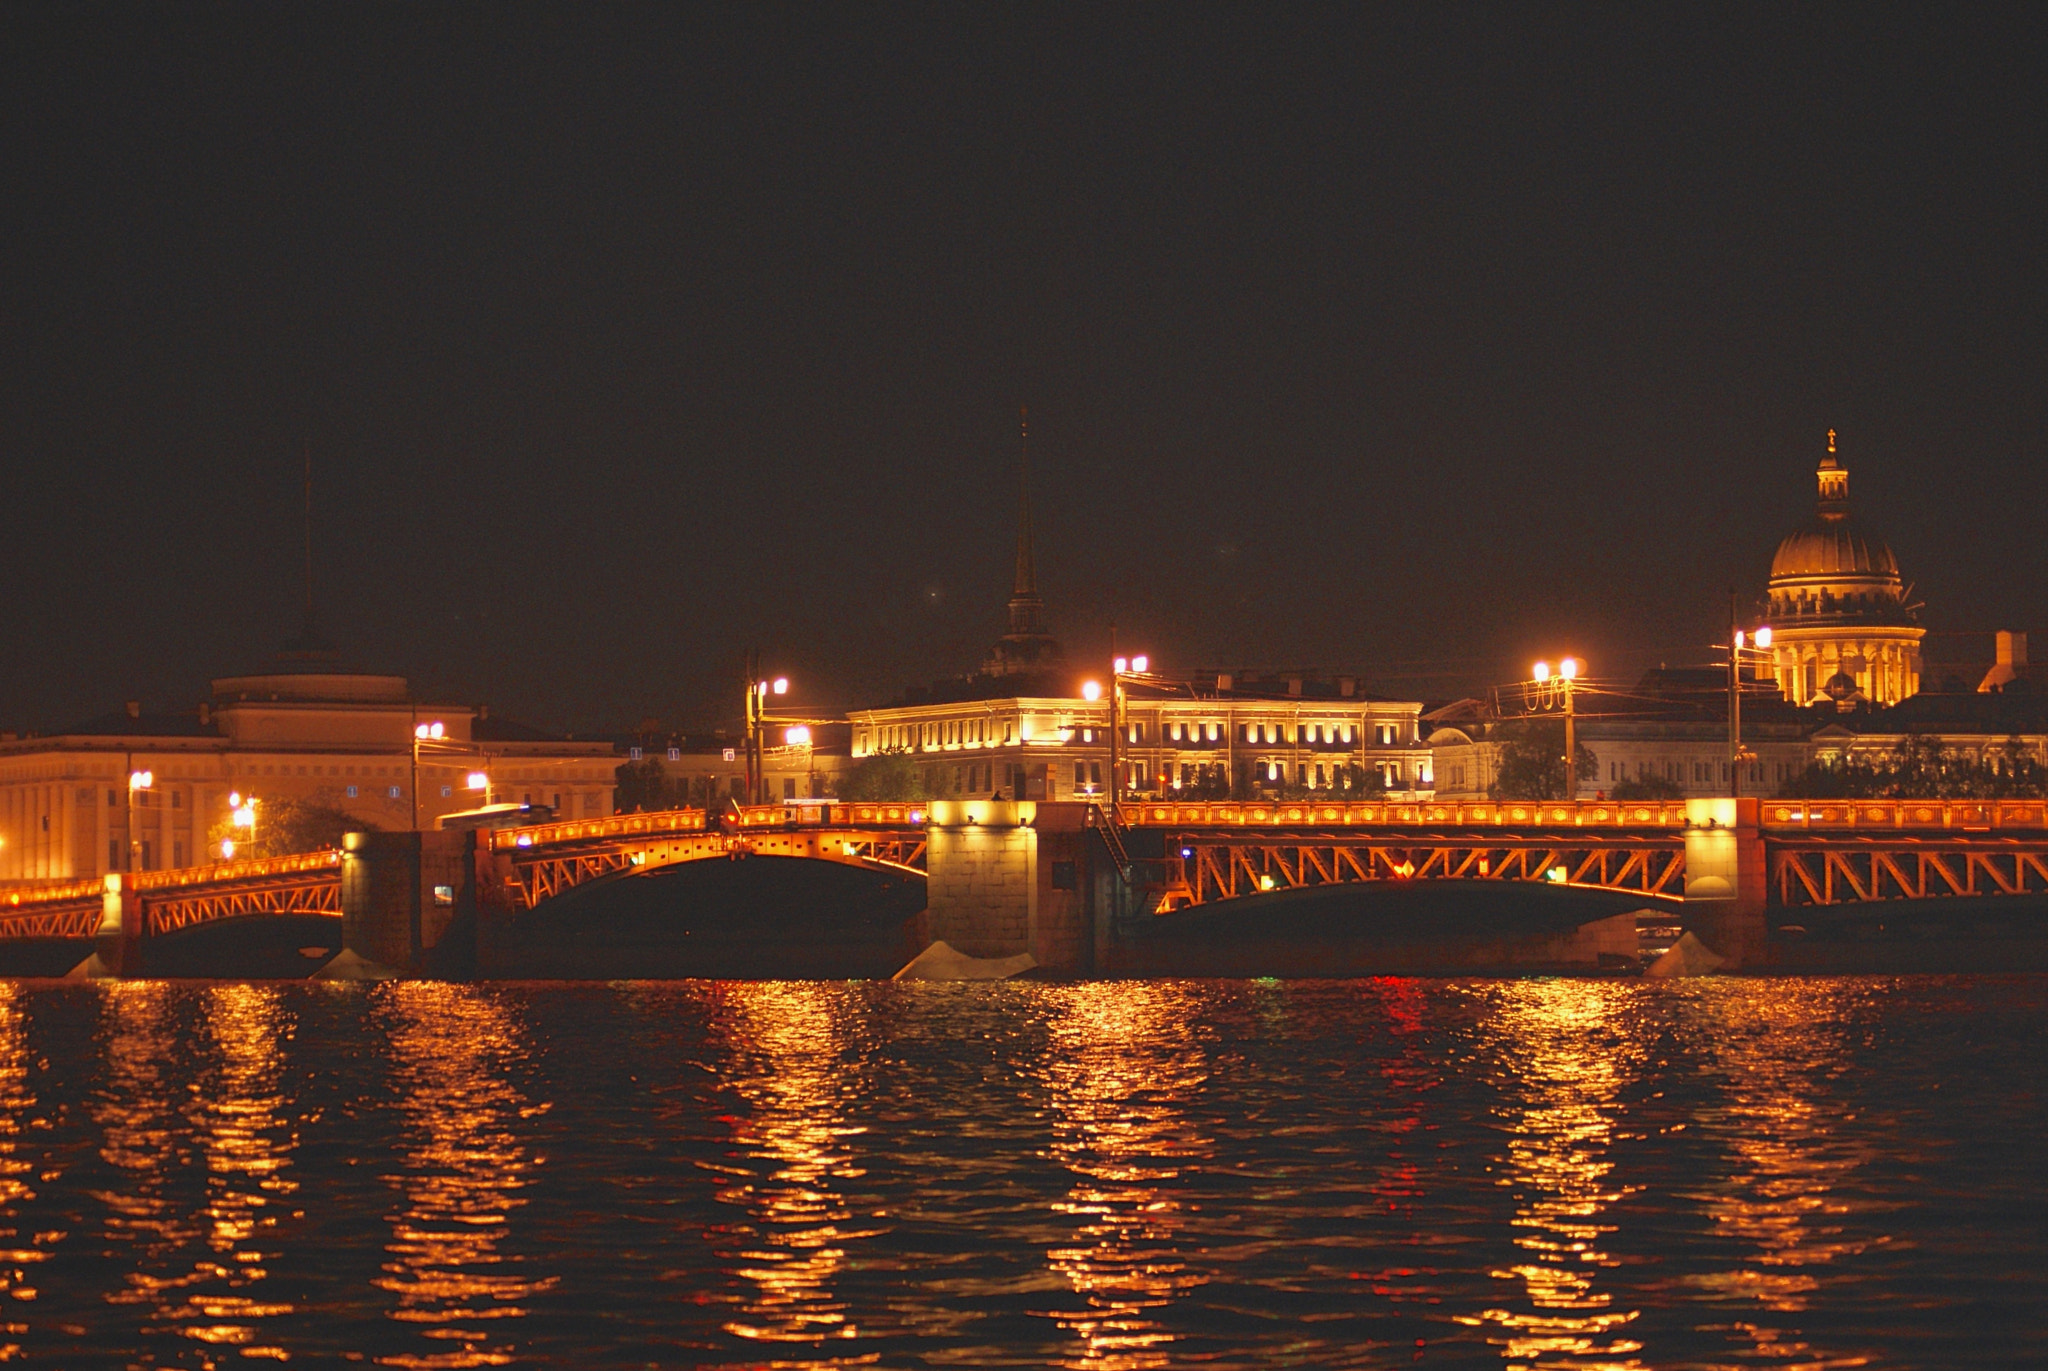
{"x": 1834, "y": 484}
{"x": 1027, "y": 611}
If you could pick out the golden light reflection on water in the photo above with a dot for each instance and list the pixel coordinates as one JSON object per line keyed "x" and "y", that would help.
{"x": 1561, "y": 1060}
{"x": 461, "y": 1176}
{"x": 141, "y": 1137}
{"x": 20, "y": 1250}
{"x": 787, "y": 1042}
{"x": 243, "y": 1126}
{"x": 1777, "y": 1044}
{"x": 1124, "y": 1067}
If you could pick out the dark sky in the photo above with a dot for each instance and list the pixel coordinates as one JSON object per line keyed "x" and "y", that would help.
{"x": 1420, "y": 341}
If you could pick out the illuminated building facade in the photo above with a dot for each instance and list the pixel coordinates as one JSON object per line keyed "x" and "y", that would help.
{"x": 1218, "y": 737}
{"x": 337, "y": 738}
{"x": 1838, "y": 611}
{"x": 1023, "y": 725}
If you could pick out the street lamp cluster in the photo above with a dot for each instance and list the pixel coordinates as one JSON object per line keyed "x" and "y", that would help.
{"x": 1557, "y": 687}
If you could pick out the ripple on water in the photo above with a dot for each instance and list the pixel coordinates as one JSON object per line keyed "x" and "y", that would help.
{"x": 1543, "y": 1173}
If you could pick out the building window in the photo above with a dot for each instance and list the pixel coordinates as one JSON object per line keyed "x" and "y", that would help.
{"x": 789, "y": 787}
{"x": 632, "y": 755}
{"x": 675, "y": 754}
{"x": 391, "y": 792}
{"x": 351, "y": 792}
{"x": 178, "y": 852}
{"x": 113, "y": 854}
{"x": 446, "y": 791}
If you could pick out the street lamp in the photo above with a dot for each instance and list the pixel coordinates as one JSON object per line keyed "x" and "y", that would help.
{"x": 422, "y": 733}
{"x": 1558, "y": 687}
{"x": 1757, "y": 644}
{"x": 241, "y": 814}
{"x": 137, "y": 780}
{"x": 1120, "y": 667}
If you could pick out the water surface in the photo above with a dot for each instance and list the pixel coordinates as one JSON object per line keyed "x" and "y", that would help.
{"x": 1556, "y": 1173}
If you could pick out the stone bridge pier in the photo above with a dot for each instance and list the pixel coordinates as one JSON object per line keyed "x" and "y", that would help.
{"x": 1727, "y": 878}
{"x": 1004, "y": 877}
{"x": 411, "y": 902}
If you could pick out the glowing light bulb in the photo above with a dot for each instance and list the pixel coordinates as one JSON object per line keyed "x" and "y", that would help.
{"x": 478, "y": 780}
{"x": 782, "y": 685}
{"x": 1091, "y": 690}
{"x": 1763, "y": 636}
{"x": 1542, "y": 671}
{"x": 1140, "y": 663}
{"x": 1569, "y": 668}
{"x": 1122, "y": 665}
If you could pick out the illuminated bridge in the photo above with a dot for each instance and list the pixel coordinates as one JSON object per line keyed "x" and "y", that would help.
{"x": 1168, "y": 856}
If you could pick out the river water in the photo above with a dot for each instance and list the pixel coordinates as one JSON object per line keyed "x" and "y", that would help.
{"x": 1557, "y": 1173}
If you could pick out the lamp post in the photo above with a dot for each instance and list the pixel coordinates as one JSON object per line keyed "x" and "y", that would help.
{"x": 421, "y": 734}
{"x": 758, "y": 691}
{"x": 1739, "y": 643}
{"x": 242, "y": 814}
{"x": 1119, "y": 668}
{"x": 137, "y": 780}
{"x": 1559, "y": 684}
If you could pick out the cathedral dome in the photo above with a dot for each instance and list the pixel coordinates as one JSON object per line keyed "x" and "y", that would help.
{"x": 1833, "y": 569}
{"x": 1833, "y": 548}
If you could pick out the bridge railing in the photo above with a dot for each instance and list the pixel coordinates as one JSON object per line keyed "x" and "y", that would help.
{"x": 857, "y": 813}
{"x": 595, "y": 830}
{"x": 1661, "y": 814}
{"x": 1956, "y": 816}
{"x": 214, "y": 873}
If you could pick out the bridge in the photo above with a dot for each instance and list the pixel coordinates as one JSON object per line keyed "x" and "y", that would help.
{"x": 1166, "y": 855}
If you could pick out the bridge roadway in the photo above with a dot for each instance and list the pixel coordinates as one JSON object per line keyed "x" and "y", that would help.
{"x": 1818, "y": 852}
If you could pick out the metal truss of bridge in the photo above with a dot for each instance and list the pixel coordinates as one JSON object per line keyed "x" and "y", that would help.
{"x": 1818, "y": 853}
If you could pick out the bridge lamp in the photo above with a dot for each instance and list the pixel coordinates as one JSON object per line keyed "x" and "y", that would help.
{"x": 1121, "y": 665}
{"x": 1569, "y": 668}
{"x": 797, "y": 735}
{"x": 141, "y": 780}
{"x": 1763, "y": 636}
{"x": 1541, "y": 671}
{"x": 1140, "y": 663}
{"x": 244, "y": 815}
{"x": 479, "y": 780}
{"x": 1091, "y": 690}
{"x": 781, "y": 685}
{"x": 227, "y": 849}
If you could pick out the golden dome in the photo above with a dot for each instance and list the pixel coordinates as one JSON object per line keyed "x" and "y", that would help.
{"x": 1833, "y": 547}
{"x": 1829, "y": 569}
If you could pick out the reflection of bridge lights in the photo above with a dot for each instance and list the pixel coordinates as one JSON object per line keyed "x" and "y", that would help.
{"x": 917, "y": 816}
{"x": 1265, "y": 882}
{"x": 1556, "y": 875}
{"x": 524, "y": 840}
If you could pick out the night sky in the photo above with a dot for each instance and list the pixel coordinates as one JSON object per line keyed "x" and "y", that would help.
{"x": 1416, "y": 341}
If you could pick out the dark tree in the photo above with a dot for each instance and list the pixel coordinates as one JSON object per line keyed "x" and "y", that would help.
{"x": 286, "y": 826}
{"x": 644, "y": 786}
{"x": 885, "y": 776}
{"x": 1532, "y": 761}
